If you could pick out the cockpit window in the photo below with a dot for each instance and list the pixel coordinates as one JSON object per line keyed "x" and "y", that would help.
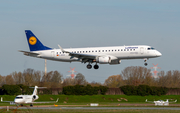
{"x": 150, "y": 48}
{"x": 19, "y": 98}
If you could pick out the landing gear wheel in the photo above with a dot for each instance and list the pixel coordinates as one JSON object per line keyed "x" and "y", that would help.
{"x": 89, "y": 66}
{"x": 96, "y": 66}
{"x": 145, "y": 61}
{"x": 31, "y": 105}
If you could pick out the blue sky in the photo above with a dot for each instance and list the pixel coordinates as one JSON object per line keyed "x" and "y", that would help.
{"x": 89, "y": 23}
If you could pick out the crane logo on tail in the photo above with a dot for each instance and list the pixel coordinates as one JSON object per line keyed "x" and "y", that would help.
{"x": 32, "y": 40}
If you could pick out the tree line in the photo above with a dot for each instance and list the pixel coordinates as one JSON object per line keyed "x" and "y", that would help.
{"x": 134, "y": 75}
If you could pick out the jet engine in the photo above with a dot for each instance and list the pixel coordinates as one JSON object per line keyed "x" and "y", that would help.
{"x": 108, "y": 60}
{"x": 35, "y": 97}
{"x": 103, "y": 60}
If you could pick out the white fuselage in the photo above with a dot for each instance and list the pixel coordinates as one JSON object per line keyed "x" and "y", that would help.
{"x": 119, "y": 52}
{"x": 23, "y": 99}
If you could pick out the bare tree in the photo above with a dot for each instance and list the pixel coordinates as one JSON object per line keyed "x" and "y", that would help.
{"x": 69, "y": 81}
{"x": 137, "y": 75}
{"x": 2, "y": 80}
{"x": 18, "y": 77}
{"x": 52, "y": 79}
{"x": 80, "y": 79}
{"x": 114, "y": 81}
{"x": 93, "y": 83}
{"x": 170, "y": 80}
{"x": 162, "y": 80}
{"x": 9, "y": 80}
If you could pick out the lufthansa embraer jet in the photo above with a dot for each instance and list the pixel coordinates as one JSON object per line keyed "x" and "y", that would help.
{"x": 102, "y": 55}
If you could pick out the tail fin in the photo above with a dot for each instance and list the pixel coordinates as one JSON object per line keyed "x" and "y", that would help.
{"x": 34, "y": 43}
{"x": 167, "y": 100}
{"x": 35, "y": 90}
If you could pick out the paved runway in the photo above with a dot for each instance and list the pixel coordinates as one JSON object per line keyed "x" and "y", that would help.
{"x": 86, "y": 108}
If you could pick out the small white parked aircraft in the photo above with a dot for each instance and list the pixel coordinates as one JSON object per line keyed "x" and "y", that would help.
{"x": 161, "y": 102}
{"x": 28, "y": 99}
{"x": 101, "y": 55}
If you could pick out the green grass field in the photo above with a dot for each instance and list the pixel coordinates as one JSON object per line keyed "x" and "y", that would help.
{"x": 101, "y": 99}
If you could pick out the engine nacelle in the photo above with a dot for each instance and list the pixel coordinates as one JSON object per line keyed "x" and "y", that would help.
{"x": 35, "y": 97}
{"x": 108, "y": 60}
{"x": 103, "y": 60}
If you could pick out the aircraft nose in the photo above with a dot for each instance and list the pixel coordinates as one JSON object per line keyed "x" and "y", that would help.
{"x": 158, "y": 54}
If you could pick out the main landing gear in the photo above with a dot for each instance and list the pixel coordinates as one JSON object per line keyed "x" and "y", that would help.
{"x": 145, "y": 62}
{"x": 89, "y": 66}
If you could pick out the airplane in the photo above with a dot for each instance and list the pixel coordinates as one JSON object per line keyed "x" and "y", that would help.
{"x": 102, "y": 55}
{"x": 28, "y": 99}
{"x": 161, "y": 102}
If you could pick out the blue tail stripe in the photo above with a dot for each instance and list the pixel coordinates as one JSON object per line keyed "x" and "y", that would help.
{"x": 34, "y": 43}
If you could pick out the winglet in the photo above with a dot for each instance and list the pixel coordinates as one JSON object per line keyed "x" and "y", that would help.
{"x": 63, "y": 49}
{"x": 57, "y": 100}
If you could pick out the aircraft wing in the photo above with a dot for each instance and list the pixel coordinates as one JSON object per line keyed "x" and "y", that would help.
{"x": 42, "y": 102}
{"x": 6, "y": 101}
{"x": 149, "y": 101}
{"x": 79, "y": 55}
{"x": 82, "y": 56}
{"x": 173, "y": 101}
